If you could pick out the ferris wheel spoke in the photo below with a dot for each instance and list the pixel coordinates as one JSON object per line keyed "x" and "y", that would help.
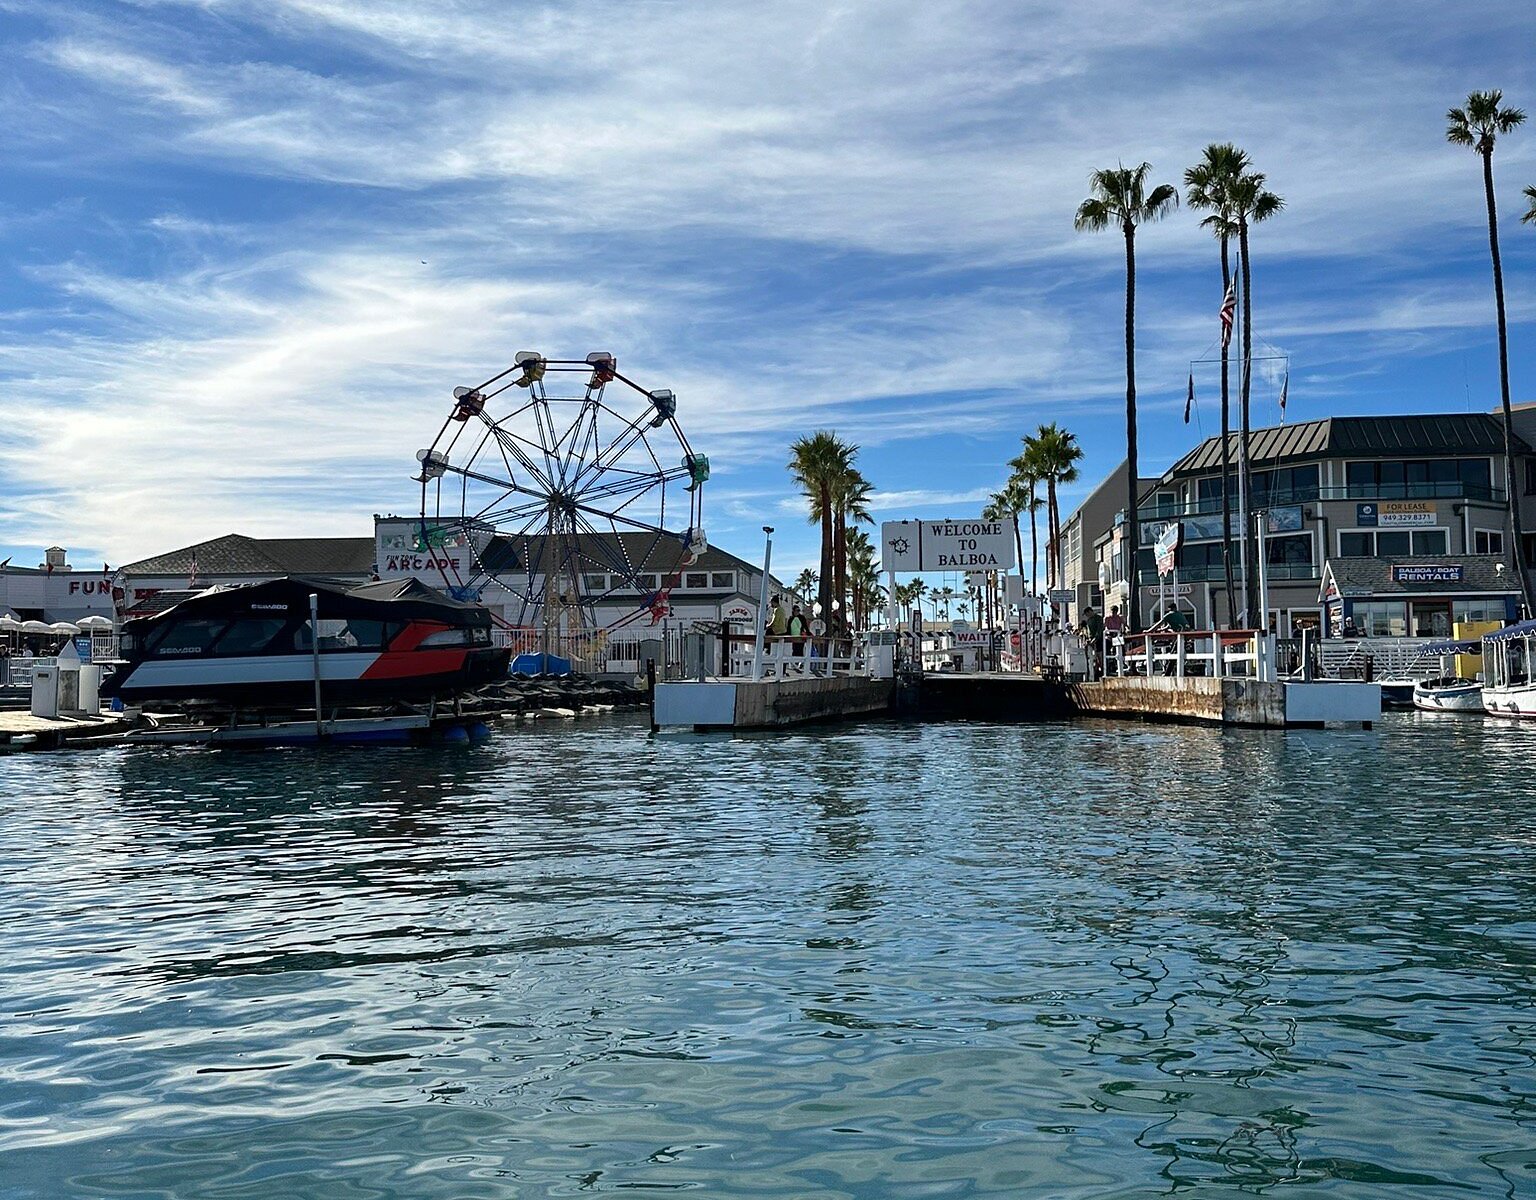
{"x": 636, "y": 485}
{"x": 629, "y": 522}
{"x": 507, "y": 441}
{"x": 624, "y": 441}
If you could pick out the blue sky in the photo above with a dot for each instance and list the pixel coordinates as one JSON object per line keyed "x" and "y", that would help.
{"x": 249, "y": 245}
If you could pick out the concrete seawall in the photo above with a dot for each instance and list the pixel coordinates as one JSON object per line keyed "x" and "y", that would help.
{"x": 1249, "y": 702}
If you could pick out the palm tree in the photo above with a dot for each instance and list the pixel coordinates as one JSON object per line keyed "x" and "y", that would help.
{"x": 1478, "y": 125}
{"x": 1025, "y": 475}
{"x": 1530, "y": 214}
{"x": 1209, "y": 184}
{"x": 863, "y": 578}
{"x": 1054, "y": 455}
{"x": 818, "y": 462}
{"x": 1120, "y": 197}
{"x": 805, "y": 584}
{"x": 1250, "y": 204}
{"x": 1008, "y": 503}
{"x": 850, "y": 501}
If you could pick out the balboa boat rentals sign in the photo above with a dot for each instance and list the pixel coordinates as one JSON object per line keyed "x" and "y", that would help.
{"x": 946, "y": 546}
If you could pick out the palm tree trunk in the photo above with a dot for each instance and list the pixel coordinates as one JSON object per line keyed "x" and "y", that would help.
{"x": 1226, "y": 464}
{"x": 1256, "y": 619}
{"x": 1050, "y": 531}
{"x": 1510, "y": 474}
{"x": 1018, "y": 544}
{"x": 1034, "y": 545}
{"x": 1132, "y": 515}
{"x": 824, "y": 584}
{"x": 836, "y": 618}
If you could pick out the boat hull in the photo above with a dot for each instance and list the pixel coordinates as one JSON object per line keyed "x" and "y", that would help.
{"x": 1519, "y": 702}
{"x": 287, "y": 680}
{"x": 1465, "y": 697}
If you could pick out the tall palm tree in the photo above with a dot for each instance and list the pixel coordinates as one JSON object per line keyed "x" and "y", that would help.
{"x": 850, "y": 501}
{"x": 1529, "y": 218}
{"x": 818, "y": 462}
{"x": 1025, "y": 474}
{"x": 1479, "y": 125}
{"x": 1054, "y": 455}
{"x": 1251, "y": 202}
{"x": 1010, "y": 501}
{"x": 1120, "y": 197}
{"x": 1208, "y": 186}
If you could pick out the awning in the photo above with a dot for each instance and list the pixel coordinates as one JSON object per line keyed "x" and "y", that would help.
{"x": 1523, "y": 629}
{"x": 1453, "y": 648}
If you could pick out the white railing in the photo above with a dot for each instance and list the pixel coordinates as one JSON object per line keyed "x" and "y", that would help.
{"x": 1228, "y": 654}
{"x": 1384, "y": 657}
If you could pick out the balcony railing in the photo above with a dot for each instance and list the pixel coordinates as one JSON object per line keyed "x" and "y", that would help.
{"x": 1285, "y": 497}
{"x": 1215, "y": 573}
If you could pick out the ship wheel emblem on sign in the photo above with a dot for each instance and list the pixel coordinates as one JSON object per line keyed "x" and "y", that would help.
{"x": 573, "y": 495}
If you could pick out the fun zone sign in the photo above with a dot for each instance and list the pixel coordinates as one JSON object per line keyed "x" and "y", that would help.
{"x": 907, "y": 546}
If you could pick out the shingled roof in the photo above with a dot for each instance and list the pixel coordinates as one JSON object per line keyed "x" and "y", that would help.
{"x": 1480, "y": 575}
{"x": 1433, "y": 436}
{"x": 236, "y": 554}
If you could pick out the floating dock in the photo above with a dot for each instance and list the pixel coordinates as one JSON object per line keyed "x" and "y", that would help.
{"x": 1247, "y": 702}
{"x": 20, "y": 730}
{"x": 767, "y": 703}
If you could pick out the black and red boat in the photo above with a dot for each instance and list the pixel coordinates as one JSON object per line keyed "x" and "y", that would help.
{"x": 256, "y": 646}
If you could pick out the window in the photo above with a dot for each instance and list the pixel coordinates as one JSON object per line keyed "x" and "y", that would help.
{"x": 1487, "y": 541}
{"x": 462, "y": 635}
{"x": 1292, "y": 550}
{"x": 1283, "y": 485}
{"x": 1530, "y": 477}
{"x": 644, "y": 583}
{"x": 1381, "y": 618}
{"x": 722, "y": 579}
{"x": 1391, "y": 543}
{"x": 594, "y": 583}
{"x": 1418, "y": 478}
{"x": 250, "y": 636}
{"x": 1477, "y": 610}
{"x": 185, "y": 637}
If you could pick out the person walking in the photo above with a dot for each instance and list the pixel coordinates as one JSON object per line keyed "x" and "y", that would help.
{"x": 1093, "y": 626}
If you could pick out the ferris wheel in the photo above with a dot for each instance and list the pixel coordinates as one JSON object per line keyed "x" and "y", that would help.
{"x": 576, "y": 508}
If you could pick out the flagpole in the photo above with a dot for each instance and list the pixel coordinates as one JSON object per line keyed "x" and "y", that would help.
{"x": 1242, "y": 474}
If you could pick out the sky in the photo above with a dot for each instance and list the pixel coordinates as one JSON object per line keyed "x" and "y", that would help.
{"x": 250, "y": 246}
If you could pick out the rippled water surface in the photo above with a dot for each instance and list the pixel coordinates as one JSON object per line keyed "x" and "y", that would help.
{"x": 1089, "y": 960}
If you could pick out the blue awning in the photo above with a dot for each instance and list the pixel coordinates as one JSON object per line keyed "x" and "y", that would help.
{"x": 1523, "y": 629}
{"x": 1453, "y": 648}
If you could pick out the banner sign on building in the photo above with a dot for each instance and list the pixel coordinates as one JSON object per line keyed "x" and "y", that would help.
{"x": 1167, "y": 548}
{"x": 1168, "y": 589}
{"x": 908, "y": 546}
{"x": 1450, "y": 573}
{"x": 1284, "y": 520}
{"x": 1398, "y": 513}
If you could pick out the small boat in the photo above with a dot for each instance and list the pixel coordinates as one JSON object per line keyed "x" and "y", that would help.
{"x": 257, "y": 646}
{"x": 1447, "y": 691}
{"x": 1397, "y": 693}
{"x": 1508, "y": 687}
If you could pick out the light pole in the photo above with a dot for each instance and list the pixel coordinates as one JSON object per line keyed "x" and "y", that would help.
{"x": 762, "y": 605}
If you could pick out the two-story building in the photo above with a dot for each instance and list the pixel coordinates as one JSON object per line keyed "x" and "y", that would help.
{"x": 1381, "y": 525}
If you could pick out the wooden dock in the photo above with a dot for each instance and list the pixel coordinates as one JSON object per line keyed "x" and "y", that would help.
{"x": 20, "y": 730}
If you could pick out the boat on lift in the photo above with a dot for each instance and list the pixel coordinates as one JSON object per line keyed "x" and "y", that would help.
{"x": 1509, "y": 689}
{"x": 1448, "y": 692}
{"x": 261, "y": 647}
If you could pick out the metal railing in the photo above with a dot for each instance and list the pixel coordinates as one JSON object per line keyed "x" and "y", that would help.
{"x": 1223, "y": 653}
{"x": 1289, "y": 497}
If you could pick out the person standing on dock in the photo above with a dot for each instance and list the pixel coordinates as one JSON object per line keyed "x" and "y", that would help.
{"x": 778, "y": 625}
{"x": 797, "y": 631}
{"x": 1093, "y": 628}
{"x": 1114, "y": 626}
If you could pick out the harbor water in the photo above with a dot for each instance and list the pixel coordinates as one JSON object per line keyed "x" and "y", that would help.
{"x": 1079, "y": 960}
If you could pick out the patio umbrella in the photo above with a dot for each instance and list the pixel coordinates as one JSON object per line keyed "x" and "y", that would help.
{"x": 94, "y": 621}
{"x": 36, "y": 627}
{"x": 9, "y": 623}
{"x": 65, "y": 628}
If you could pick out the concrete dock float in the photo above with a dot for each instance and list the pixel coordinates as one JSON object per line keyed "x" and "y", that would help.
{"x": 768, "y": 703}
{"x": 20, "y": 730}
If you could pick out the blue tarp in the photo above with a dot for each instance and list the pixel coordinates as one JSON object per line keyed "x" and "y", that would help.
{"x": 540, "y": 664}
{"x": 1523, "y": 629}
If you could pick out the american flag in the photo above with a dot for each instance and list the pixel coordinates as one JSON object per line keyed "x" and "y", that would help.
{"x": 1228, "y": 312}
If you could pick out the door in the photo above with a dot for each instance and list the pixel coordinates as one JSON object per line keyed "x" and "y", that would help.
{"x": 1431, "y": 618}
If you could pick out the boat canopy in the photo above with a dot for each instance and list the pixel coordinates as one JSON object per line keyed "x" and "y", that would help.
{"x": 1453, "y": 648}
{"x": 1523, "y": 629}
{"x": 387, "y": 599}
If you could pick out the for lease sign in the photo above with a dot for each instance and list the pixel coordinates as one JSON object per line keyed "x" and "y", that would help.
{"x": 968, "y": 545}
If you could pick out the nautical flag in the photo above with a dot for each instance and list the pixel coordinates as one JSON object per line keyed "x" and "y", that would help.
{"x": 1228, "y": 312}
{"x": 1285, "y": 385}
{"x": 1189, "y": 400}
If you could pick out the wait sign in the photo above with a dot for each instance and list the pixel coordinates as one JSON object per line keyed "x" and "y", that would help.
{"x": 908, "y": 546}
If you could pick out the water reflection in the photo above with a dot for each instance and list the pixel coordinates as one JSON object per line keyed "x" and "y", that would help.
{"x": 1074, "y": 960}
